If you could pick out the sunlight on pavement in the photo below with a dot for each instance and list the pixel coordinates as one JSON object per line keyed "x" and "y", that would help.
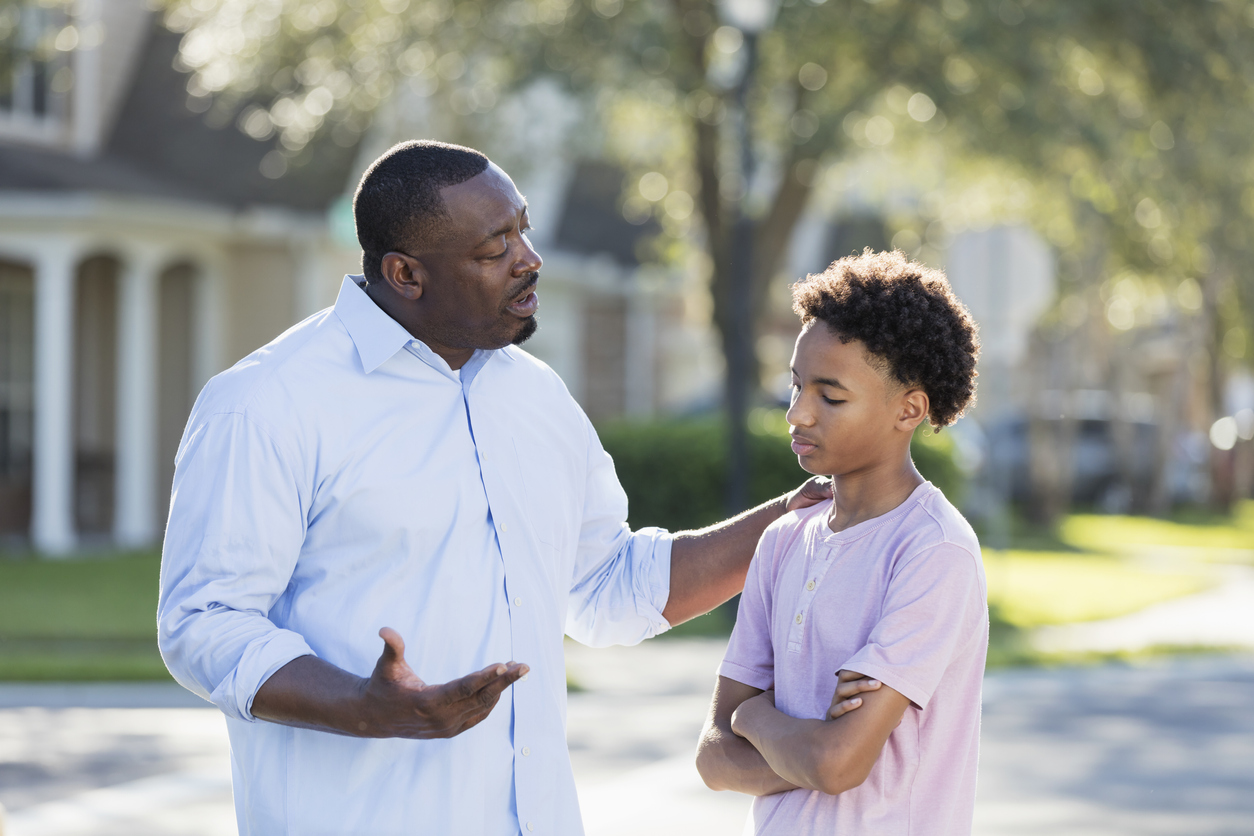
{"x": 1160, "y": 748}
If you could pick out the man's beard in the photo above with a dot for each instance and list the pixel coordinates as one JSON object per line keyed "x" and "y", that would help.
{"x": 529, "y": 326}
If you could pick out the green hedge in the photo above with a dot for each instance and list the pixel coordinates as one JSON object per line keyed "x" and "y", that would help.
{"x": 674, "y": 471}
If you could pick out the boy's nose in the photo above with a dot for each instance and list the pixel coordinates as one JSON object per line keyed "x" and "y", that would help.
{"x": 798, "y": 416}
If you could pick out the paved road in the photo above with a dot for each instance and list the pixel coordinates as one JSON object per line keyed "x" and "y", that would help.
{"x": 1163, "y": 748}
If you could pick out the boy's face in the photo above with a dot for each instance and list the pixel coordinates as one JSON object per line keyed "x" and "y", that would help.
{"x": 846, "y": 416}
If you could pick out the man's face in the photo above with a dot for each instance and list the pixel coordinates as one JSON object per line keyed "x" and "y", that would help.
{"x": 482, "y": 271}
{"x": 843, "y": 411}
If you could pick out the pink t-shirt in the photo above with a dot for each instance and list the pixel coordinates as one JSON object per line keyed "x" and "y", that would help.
{"x": 900, "y": 598}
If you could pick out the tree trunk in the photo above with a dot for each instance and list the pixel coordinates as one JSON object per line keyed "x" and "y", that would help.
{"x": 1221, "y": 461}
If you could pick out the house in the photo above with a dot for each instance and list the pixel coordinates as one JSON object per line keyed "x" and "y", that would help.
{"x": 146, "y": 244}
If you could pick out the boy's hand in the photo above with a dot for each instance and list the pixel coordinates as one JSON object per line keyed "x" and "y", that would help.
{"x": 813, "y": 491}
{"x": 848, "y": 685}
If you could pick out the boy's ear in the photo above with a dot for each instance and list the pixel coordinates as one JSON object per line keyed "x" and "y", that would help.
{"x": 406, "y": 275}
{"x": 913, "y": 410}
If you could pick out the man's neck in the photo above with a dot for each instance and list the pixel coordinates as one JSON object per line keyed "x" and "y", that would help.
{"x": 872, "y": 492}
{"x": 390, "y": 305}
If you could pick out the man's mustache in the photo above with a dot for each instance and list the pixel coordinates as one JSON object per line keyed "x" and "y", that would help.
{"x": 525, "y": 284}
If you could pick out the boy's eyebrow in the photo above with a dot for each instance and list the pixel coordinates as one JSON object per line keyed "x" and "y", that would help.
{"x": 823, "y": 381}
{"x": 830, "y": 381}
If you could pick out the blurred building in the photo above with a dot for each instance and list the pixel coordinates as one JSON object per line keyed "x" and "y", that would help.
{"x": 146, "y": 243}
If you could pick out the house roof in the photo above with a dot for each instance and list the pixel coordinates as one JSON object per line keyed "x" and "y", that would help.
{"x": 160, "y": 147}
{"x": 591, "y": 222}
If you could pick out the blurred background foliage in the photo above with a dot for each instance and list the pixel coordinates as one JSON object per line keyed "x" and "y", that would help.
{"x": 1118, "y": 129}
{"x": 1128, "y": 121}
{"x": 674, "y": 471}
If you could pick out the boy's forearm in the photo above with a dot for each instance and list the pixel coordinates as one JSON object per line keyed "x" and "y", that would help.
{"x": 729, "y": 762}
{"x": 790, "y": 747}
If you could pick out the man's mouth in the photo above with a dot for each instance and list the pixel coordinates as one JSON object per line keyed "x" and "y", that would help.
{"x": 526, "y": 303}
{"x": 802, "y": 446}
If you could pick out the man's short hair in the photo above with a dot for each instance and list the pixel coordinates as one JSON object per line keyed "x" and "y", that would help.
{"x": 398, "y": 206}
{"x": 907, "y": 317}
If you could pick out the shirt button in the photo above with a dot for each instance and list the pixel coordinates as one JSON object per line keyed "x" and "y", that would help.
{"x": 530, "y": 826}
{"x": 504, "y": 528}
{"x": 810, "y": 585}
{"x": 523, "y": 678}
{"x": 517, "y": 602}
{"x": 799, "y": 618}
{"x": 526, "y": 751}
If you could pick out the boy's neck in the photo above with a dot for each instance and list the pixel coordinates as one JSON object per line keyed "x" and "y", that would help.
{"x": 871, "y": 492}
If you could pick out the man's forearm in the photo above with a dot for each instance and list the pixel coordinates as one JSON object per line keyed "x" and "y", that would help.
{"x": 708, "y": 566}
{"x": 729, "y": 762}
{"x": 311, "y": 693}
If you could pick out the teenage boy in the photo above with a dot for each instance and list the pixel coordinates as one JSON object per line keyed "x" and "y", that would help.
{"x": 881, "y": 585}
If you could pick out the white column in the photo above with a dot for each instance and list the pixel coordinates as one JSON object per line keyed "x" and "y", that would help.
{"x": 135, "y": 469}
{"x": 208, "y": 322}
{"x": 308, "y": 279}
{"x": 641, "y": 351}
{"x": 88, "y": 87}
{"x": 52, "y": 502}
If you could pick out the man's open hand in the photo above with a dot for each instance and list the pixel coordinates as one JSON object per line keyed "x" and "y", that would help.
{"x": 813, "y": 491}
{"x": 848, "y": 685}
{"x": 399, "y": 704}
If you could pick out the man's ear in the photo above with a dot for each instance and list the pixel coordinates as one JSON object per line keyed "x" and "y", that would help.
{"x": 914, "y": 406}
{"x": 405, "y": 274}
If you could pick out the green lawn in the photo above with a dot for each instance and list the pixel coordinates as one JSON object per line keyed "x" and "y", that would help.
{"x": 1029, "y": 589}
{"x": 94, "y": 617}
{"x": 82, "y": 619}
{"x": 1225, "y": 540}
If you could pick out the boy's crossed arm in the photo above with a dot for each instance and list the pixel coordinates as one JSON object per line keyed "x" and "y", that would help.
{"x": 749, "y": 746}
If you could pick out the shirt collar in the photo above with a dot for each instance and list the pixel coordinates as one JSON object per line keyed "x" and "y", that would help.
{"x": 375, "y": 334}
{"x": 378, "y": 337}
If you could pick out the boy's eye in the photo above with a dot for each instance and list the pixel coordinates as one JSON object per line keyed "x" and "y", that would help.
{"x": 832, "y": 401}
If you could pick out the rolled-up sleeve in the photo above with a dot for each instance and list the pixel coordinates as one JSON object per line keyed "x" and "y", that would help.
{"x": 235, "y": 530}
{"x": 622, "y": 579}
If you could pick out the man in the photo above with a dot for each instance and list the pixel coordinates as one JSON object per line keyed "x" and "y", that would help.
{"x": 394, "y": 466}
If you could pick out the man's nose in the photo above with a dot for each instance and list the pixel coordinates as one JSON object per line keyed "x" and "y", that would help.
{"x": 529, "y": 260}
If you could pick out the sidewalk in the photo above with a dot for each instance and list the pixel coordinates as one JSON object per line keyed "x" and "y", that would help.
{"x": 1220, "y": 617}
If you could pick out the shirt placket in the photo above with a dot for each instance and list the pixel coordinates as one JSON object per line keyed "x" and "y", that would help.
{"x": 529, "y": 742}
{"x": 824, "y": 555}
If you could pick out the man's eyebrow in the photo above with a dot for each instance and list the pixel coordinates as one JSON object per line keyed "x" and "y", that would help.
{"x": 504, "y": 230}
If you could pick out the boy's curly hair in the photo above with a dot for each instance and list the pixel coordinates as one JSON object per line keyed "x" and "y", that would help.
{"x": 905, "y": 314}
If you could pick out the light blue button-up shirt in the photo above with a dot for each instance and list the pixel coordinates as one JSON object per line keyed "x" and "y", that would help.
{"x": 343, "y": 478}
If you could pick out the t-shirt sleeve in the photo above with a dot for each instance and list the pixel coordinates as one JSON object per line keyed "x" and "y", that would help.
{"x": 934, "y": 608}
{"x": 750, "y": 657}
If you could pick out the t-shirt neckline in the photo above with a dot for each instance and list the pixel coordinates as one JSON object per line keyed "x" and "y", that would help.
{"x": 865, "y": 527}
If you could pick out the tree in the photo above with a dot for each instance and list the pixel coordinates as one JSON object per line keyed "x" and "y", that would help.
{"x": 1087, "y": 100}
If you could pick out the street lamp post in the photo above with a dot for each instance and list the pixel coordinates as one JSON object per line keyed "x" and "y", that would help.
{"x": 751, "y": 17}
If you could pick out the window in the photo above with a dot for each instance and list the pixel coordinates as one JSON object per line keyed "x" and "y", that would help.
{"x": 35, "y": 73}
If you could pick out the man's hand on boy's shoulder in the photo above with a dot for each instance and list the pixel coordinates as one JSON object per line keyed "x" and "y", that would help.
{"x": 849, "y": 684}
{"x": 813, "y": 491}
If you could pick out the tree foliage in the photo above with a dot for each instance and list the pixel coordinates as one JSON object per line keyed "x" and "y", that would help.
{"x": 1120, "y": 129}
